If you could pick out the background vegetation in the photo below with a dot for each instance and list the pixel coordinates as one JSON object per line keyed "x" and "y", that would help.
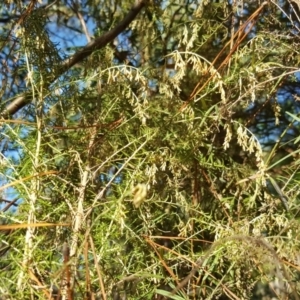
{"x": 149, "y": 150}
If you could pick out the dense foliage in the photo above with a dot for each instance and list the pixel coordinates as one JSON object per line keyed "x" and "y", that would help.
{"x": 149, "y": 150}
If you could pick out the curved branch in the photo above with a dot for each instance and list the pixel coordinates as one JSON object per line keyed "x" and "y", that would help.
{"x": 98, "y": 43}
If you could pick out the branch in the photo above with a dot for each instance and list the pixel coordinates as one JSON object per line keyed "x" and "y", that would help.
{"x": 103, "y": 40}
{"x": 100, "y": 42}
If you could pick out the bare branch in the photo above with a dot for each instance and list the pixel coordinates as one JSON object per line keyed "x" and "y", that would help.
{"x": 103, "y": 40}
{"x": 97, "y": 44}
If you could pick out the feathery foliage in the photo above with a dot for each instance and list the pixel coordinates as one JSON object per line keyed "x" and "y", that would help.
{"x": 144, "y": 168}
